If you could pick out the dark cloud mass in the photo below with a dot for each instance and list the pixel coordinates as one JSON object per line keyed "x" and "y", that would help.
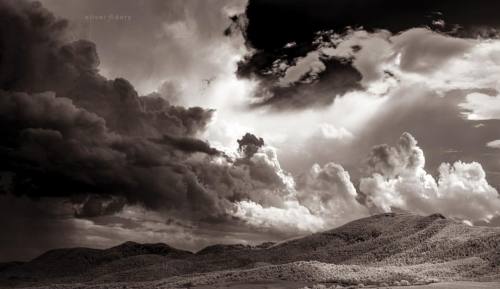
{"x": 284, "y": 33}
{"x": 188, "y": 144}
{"x": 35, "y": 58}
{"x": 69, "y": 132}
{"x": 274, "y": 23}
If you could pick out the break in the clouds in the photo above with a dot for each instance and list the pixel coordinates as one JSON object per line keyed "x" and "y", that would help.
{"x": 202, "y": 122}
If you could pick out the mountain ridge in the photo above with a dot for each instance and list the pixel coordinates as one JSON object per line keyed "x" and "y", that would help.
{"x": 389, "y": 239}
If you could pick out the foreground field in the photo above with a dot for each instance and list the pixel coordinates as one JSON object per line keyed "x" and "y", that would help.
{"x": 289, "y": 285}
{"x": 347, "y": 275}
{"x": 282, "y": 285}
{"x": 455, "y": 285}
{"x": 312, "y": 274}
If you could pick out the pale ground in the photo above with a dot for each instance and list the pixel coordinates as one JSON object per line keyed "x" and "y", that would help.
{"x": 296, "y": 285}
{"x": 455, "y": 285}
{"x": 257, "y": 285}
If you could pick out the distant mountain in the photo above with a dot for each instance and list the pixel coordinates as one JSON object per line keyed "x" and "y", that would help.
{"x": 391, "y": 239}
{"x": 61, "y": 263}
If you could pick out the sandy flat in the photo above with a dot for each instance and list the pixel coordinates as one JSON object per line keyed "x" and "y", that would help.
{"x": 296, "y": 285}
{"x": 455, "y": 285}
{"x": 257, "y": 285}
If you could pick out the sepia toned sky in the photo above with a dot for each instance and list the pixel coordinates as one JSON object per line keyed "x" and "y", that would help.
{"x": 199, "y": 122}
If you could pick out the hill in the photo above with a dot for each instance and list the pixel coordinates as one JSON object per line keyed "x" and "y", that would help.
{"x": 388, "y": 246}
{"x": 394, "y": 239}
{"x": 75, "y": 262}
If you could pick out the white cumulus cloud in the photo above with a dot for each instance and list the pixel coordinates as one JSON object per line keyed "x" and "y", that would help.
{"x": 399, "y": 180}
{"x": 494, "y": 144}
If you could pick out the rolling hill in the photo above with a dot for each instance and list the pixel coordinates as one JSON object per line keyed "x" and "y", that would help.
{"x": 395, "y": 239}
{"x": 391, "y": 246}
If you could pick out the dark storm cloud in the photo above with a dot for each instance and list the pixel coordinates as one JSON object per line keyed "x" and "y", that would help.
{"x": 36, "y": 58}
{"x": 95, "y": 140}
{"x": 274, "y": 23}
{"x": 57, "y": 149}
{"x": 188, "y": 144}
{"x": 286, "y": 32}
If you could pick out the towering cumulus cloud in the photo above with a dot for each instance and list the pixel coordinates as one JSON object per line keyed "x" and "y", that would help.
{"x": 398, "y": 179}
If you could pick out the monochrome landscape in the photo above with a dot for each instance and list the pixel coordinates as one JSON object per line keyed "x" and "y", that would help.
{"x": 249, "y": 144}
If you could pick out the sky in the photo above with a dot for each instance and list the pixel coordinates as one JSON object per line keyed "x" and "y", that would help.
{"x": 195, "y": 123}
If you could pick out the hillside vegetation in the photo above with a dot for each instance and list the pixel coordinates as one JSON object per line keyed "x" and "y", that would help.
{"x": 381, "y": 248}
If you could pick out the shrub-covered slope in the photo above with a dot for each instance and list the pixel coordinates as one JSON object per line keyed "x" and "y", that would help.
{"x": 395, "y": 239}
{"x": 391, "y": 239}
